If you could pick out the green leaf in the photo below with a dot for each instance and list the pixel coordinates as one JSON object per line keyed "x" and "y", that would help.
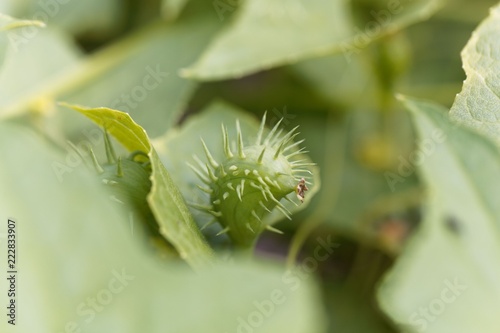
{"x": 149, "y": 60}
{"x": 339, "y": 83}
{"x": 7, "y": 24}
{"x": 267, "y": 33}
{"x": 478, "y": 104}
{"x": 166, "y": 202}
{"x": 99, "y": 278}
{"x": 448, "y": 278}
{"x": 137, "y": 75}
{"x": 94, "y": 18}
{"x": 172, "y": 8}
{"x": 179, "y": 146}
{"x": 58, "y": 55}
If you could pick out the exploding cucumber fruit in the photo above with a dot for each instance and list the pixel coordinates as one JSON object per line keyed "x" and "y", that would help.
{"x": 251, "y": 181}
{"x": 128, "y": 180}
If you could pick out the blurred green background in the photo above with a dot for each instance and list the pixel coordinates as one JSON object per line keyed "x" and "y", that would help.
{"x": 332, "y": 67}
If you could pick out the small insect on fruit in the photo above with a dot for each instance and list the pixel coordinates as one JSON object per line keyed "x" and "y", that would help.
{"x": 251, "y": 179}
{"x": 301, "y": 189}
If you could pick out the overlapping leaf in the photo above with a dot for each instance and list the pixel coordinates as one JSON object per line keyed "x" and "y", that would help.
{"x": 172, "y": 8}
{"x": 137, "y": 74}
{"x": 166, "y": 202}
{"x": 478, "y": 104}
{"x": 269, "y": 33}
{"x": 7, "y": 24}
{"x": 96, "y": 17}
{"x": 81, "y": 268}
{"x": 451, "y": 261}
{"x": 59, "y": 55}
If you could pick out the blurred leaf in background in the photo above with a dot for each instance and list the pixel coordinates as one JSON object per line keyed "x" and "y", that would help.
{"x": 8, "y": 36}
{"x": 458, "y": 240}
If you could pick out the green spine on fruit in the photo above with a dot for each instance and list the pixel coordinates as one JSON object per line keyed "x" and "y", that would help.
{"x": 251, "y": 181}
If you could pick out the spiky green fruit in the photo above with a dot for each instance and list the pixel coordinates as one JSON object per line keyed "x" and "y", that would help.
{"x": 252, "y": 180}
{"x": 129, "y": 182}
{"x": 128, "y": 179}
